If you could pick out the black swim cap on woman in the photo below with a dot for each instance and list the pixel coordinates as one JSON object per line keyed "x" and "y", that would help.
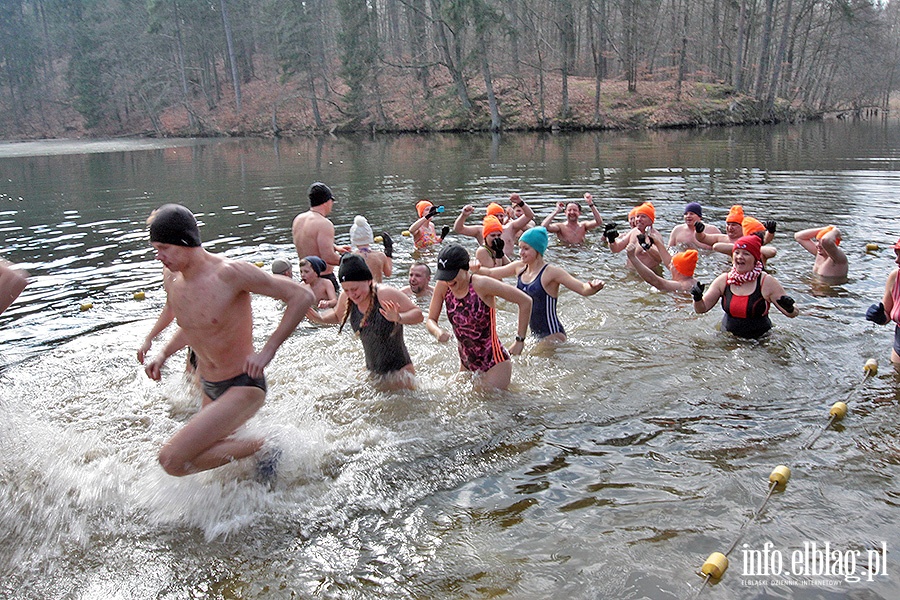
{"x": 354, "y": 268}
{"x": 174, "y": 224}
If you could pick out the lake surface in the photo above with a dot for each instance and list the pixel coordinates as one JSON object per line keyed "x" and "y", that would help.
{"x": 614, "y": 465}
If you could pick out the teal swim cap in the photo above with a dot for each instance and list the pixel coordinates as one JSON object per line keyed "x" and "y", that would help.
{"x": 537, "y": 238}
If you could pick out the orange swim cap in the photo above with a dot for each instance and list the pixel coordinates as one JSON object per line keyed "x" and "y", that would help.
{"x": 422, "y": 207}
{"x": 685, "y": 262}
{"x": 495, "y": 209}
{"x": 646, "y": 209}
{"x": 751, "y": 225}
{"x": 736, "y": 214}
{"x": 491, "y": 224}
{"x": 825, "y": 230}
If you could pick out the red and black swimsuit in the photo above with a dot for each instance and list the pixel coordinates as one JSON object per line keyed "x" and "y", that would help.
{"x": 746, "y": 316}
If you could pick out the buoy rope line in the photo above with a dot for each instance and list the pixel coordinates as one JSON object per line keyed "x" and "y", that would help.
{"x": 839, "y": 409}
{"x": 717, "y": 563}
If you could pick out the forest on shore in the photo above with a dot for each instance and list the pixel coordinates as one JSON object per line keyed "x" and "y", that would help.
{"x": 162, "y": 68}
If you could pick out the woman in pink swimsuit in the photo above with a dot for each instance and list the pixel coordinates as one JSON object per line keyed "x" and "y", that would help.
{"x": 470, "y": 301}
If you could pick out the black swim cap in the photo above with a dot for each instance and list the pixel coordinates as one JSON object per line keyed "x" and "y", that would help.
{"x": 319, "y": 193}
{"x": 174, "y": 224}
{"x": 354, "y": 268}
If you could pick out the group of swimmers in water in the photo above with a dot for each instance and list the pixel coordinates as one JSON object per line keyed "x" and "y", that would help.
{"x": 209, "y": 297}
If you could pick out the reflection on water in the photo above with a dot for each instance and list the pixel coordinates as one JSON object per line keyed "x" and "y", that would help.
{"x": 613, "y": 467}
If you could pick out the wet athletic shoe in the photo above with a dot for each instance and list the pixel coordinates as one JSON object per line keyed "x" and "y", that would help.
{"x": 267, "y": 467}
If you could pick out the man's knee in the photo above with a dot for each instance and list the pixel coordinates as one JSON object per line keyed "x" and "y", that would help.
{"x": 173, "y": 464}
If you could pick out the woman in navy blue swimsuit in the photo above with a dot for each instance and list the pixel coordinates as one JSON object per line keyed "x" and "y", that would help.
{"x": 746, "y": 292}
{"x": 541, "y": 281}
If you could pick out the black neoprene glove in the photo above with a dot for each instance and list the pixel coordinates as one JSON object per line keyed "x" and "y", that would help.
{"x": 444, "y": 231}
{"x": 431, "y": 212}
{"x": 388, "y": 244}
{"x": 786, "y": 302}
{"x": 876, "y": 314}
{"x": 497, "y": 246}
{"x": 771, "y": 226}
{"x": 699, "y": 226}
{"x": 644, "y": 242}
{"x": 610, "y": 232}
{"x": 697, "y": 291}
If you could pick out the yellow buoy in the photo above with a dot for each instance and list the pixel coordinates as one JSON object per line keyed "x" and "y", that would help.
{"x": 715, "y": 566}
{"x": 378, "y": 239}
{"x": 780, "y": 475}
{"x": 139, "y": 295}
{"x": 871, "y": 367}
{"x": 871, "y": 247}
{"x": 259, "y": 263}
{"x": 405, "y": 233}
{"x": 838, "y": 410}
{"x": 86, "y": 306}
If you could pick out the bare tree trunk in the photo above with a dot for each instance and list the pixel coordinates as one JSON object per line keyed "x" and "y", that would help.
{"x": 763, "y": 66}
{"x": 779, "y": 58}
{"x": 488, "y": 83}
{"x": 231, "y": 55}
{"x": 454, "y": 66}
{"x": 682, "y": 56}
{"x": 737, "y": 75}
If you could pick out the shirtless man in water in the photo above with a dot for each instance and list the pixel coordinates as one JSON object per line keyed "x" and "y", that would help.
{"x": 573, "y": 231}
{"x": 511, "y": 228}
{"x": 313, "y": 233}
{"x": 824, "y": 244}
{"x": 209, "y": 296}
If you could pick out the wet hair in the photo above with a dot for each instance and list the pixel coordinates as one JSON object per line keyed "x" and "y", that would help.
{"x": 350, "y": 307}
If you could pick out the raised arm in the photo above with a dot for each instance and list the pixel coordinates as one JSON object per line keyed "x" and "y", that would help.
{"x": 548, "y": 223}
{"x": 805, "y": 238}
{"x": 829, "y": 243}
{"x": 459, "y": 225}
{"x": 598, "y": 220}
{"x": 522, "y": 221}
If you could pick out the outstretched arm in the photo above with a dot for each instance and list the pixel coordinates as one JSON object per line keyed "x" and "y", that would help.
{"x": 507, "y": 270}
{"x": 647, "y": 273}
{"x": 562, "y": 277}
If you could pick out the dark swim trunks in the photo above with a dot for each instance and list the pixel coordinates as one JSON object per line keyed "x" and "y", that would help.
{"x": 214, "y": 389}
{"x": 897, "y": 339}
